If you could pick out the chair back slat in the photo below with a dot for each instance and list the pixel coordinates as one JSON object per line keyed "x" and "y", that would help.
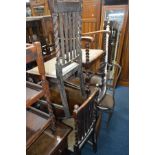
{"x": 66, "y": 35}
{"x": 62, "y": 6}
{"x": 85, "y": 118}
{"x": 62, "y": 38}
{"x": 73, "y": 16}
{"x": 66, "y": 15}
{"x": 78, "y": 31}
{"x": 70, "y": 33}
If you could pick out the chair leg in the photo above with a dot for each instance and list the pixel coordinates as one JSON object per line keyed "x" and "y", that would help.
{"x": 94, "y": 141}
{"x": 109, "y": 118}
{"x": 63, "y": 97}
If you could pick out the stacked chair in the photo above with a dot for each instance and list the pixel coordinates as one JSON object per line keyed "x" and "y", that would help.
{"x": 37, "y": 121}
{"x": 66, "y": 18}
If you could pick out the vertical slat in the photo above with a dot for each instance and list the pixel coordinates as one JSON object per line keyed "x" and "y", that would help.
{"x": 76, "y": 29}
{"x": 79, "y": 30}
{"x": 66, "y": 37}
{"x": 89, "y": 115}
{"x": 77, "y": 34}
{"x": 74, "y": 34}
{"x": 79, "y": 127}
{"x": 83, "y": 123}
{"x": 62, "y": 37}
{"x": 56, "y": 39}
{"x": 87, "y": 118}
{"x": 82, "y": 127}
{"x": 70, "y": 34}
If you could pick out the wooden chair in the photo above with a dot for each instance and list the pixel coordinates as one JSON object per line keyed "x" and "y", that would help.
{"x": 106, "y": 80}
{"x": 91, "y": 55}
{"x": 108, "y": 102}
{"x": 83, "y": 123}
{"x": 37, "y": 121}
{"x": 66, "y": 17}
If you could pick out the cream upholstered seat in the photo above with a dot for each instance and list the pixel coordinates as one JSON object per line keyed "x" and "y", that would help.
{"x": 50, "y": 68}
{"x": 50, "y": 65}
{"x": 93, "y": 54}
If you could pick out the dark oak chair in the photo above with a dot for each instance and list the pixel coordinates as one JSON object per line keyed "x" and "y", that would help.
{"x": 36, "y": 120}
{"x": 83, "y": 122}
{"x": 66, "y": 18}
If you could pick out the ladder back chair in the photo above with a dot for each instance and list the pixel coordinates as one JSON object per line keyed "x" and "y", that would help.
{"x": 66, "y": 19}
{"x": 36, "y": 120}
{"x": 83, "y": 123}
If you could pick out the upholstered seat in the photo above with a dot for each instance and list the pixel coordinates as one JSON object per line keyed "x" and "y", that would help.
{"x": 50, "y": 65}
{"x": 71, "y": 137}
{"x": 96, "y": 80}
{"x": 50, "y": 68}
{"x": 107, "y": 102}
{"x": 93, "y": 54}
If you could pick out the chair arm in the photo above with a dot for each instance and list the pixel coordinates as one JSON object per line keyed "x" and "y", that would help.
{"x": 87, "y": 38}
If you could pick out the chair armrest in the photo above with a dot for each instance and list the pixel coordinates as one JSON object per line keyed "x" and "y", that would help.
{"x": 87, "y": 38}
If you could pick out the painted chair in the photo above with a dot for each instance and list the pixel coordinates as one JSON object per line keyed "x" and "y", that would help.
{"x": 66, "y": 18}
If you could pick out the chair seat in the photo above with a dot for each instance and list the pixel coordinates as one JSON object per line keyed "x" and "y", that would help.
{"x": 93, "y": 54}
{"x": 95, "y": 79}
{"x": 71, "y": 136}
{"x": 107, "y": 102}
{"x": 50, "y": 68}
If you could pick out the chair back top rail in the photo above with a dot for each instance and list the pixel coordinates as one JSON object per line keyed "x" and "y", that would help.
{"x": 62, "y": 6}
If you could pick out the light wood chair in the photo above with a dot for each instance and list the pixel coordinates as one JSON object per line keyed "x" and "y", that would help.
{"x": 91, "y": 55}
{"x": 66, "y": 18}
{"x": 36, "y": 120}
